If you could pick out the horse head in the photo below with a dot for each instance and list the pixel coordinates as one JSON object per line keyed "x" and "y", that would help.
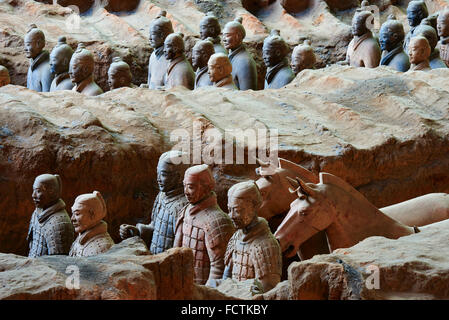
{"x": 274, "y": 186}
{"x": 310, "y": 213}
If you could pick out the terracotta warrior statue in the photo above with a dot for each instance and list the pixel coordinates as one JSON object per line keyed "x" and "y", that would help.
{"x": 430, "y": 34}
{"x": 275, "y": 51}
{"x": 391, "y": 39}
{"x": 416, "y": 12}
{"x": 303, "y": 57}
{"x": 363, "y": 50}
{"x": 220, "y": 71}
{"x": 119, "y": 74}
{"x": 59, "y": 64}
{"x": 201, "y": 53}
{"x": 203, "y": 226}
{"x": 4, "y": 76}
{"x": 160, "y": 233}
{"x": 443, "y": 33}
{"x": 160, "y": 28}
{"x": 419, "y": 53}
{"x": 210, "y": 28}
{"x": 252, "y": 252}
{"x": 50, "y": 231}
{"x": 93, "y": 238}
{"x": 39, "y": 76}
{"x": 244, "y": 69}
{"x": 431, "y": 20}
{"x": 81, "y": 72}
{"x": 179, "y": 70}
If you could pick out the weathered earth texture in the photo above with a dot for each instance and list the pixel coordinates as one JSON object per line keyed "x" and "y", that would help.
{"x": 384, "y": 132}
{"x": 126, "y": 272}
{"x": 125, "y": 33}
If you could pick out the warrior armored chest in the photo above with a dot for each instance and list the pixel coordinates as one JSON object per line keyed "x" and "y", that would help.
{"x": 193, "y": 230}
{"x": 38, "y": 242}
{"x": 243, "y": 267}
{"x": 165, "y": 213}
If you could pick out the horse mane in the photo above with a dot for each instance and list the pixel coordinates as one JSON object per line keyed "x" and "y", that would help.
{"x": 327, "y": 178}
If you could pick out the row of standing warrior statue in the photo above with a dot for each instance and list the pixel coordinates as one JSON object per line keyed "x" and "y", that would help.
{"x": 232, "y": 66}
{"x": 237, "y": 245}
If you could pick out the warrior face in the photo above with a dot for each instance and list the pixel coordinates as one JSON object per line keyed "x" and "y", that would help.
{"x": 359, "y": 23}
{"x": 33, "y": 45}
{"x": 201, "y": 53}
{"x": 168, "y": 177}
{"x": 59, "y": 61}
{"x": 415, "y": 13}
{"x": 45, "y": 191}
{"x": 271, "y": 54}
{"x": 209, "y": 27}
{"x": 118, "y": 77}
{"x": 241, "y": 211}
{"x": 218, "y": 67}
{"x": 418, "y": 50}
{"x": 443, "y": 24}
{"x": 232, "y": 37}
{"x": 83, "y": 217}
{"x": 157, "y": 36}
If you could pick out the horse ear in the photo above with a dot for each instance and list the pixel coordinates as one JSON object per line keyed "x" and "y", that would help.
{"x": 298, "y": 170}
{"x": 294, "y": 184}
{"x": 262, "y": 163}
{"x": 305, "y": 189}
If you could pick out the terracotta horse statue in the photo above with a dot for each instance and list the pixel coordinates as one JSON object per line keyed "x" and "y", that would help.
{"x": 276, "y": 199}
{"x": 335, "y": 207}
{"x": 274, "y": 186}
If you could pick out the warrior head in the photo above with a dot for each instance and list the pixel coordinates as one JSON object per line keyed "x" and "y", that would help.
{"x": 303, "y": 57}
{"x": 219, "y": 67}
{"x": 198, "y": 183}
{"x": 34, "y": 42}
{"x": 416, "y": 11}
{"x": 201, "y": 53}
{"x": 418, "y": 50}
{"x": 87, "y": 211}
{"x": 209, "y": 27}
{"x": 174, "y": 46}
{"x": 170, "y": 170}
{"x": 233, "y": 34}
{"x": 60, "y": 56}
{"x": 275, "y": 49}
{"x": 160, "y": 28}
{"x": 391, "y": 34}
{"x": 81, "y": 64}
{"x": 244, "y": 199}
{"x": 46, "y": 190}
{"x": 119, "y": 74}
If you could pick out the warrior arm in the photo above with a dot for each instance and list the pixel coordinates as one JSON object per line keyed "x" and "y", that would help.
{"x": 145, "y": 232}
{"x": 46, "y": 81}
{"x": 227, "y": 272}
{"x": 373, "y": 60}
{"x": 247, "y": 75}
{"x": 269, "y": 281}
{"x": 59, "y": 235}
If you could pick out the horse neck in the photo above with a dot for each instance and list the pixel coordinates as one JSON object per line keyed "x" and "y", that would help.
{"x": 357, "y": 219}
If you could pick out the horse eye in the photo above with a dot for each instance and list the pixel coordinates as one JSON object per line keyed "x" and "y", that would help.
{"x": 303, "y": 197}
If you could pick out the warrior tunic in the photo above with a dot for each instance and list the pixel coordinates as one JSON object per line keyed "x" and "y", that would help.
{"x": 206, "y": 229}
{"x": 50, "y": 232}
